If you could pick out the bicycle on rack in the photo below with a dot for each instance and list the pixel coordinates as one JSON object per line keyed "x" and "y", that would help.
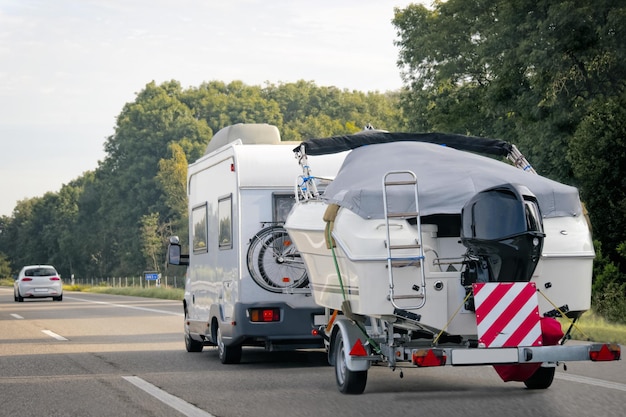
{"x": 274, "y": 262}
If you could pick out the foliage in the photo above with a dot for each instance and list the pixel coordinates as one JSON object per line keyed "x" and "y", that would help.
{"x": 548, "y": 75}
{"x": 598, "y": 155}
{"x": 595, "y": 328}
{"x": 153, "y": 292}
{"x": 611, "y": 302}
{"x": 5, "y": 267}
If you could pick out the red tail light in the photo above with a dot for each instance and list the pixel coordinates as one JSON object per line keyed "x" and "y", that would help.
{"x": 605, "y": 352}
{"x": 430, "y": 357}
{"x": 27, "y": 279}
{"x": 264, "y": 315}
{"x": 55, "y": 279}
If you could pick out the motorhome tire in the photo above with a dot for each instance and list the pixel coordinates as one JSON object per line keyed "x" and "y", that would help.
{"x": 271, "y": 257}
{"x": 228, "y": 354}
{"x": 348, "y": 382}
{"x": 192, "y": 345}
{"x": 541, "y": 379}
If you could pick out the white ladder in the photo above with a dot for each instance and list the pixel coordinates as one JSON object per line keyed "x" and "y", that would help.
{"x": 398, "y": 180}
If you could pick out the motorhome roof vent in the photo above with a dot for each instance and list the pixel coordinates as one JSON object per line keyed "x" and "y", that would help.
{"x": 249, "y": 133}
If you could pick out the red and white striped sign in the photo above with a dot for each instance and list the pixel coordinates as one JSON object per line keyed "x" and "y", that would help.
{"x": 507, "y": 314}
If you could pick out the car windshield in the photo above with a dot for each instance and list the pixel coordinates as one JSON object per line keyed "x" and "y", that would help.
{"x": 40, "y": 272}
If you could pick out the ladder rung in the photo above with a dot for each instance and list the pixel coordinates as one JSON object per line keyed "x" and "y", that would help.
{"x": 405, "y": 182}
{"x": 403, "y": 214}
{"x": 406, "y": 297}
{"x": 407, "y": 246}
{"x": 404, "y": 263}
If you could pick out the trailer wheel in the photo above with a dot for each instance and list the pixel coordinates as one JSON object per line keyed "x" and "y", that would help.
{"x": 228, "y": 354}
{"x": 541, "y": 379}
{"x": 274, "y": 262}
{"x": 348, "y": 382}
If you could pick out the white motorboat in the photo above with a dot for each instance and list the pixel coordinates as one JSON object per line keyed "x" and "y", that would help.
{"x": 412, "y": 221}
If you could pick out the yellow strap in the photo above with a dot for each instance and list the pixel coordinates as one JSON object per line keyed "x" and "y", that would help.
{"x": 571, "y": 322}
{"x": 329, "y": 217}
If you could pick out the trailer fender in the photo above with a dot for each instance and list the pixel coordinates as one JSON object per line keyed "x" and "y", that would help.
{"x": 350, "y": 333}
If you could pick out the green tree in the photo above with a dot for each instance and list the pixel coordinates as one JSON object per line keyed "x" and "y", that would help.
{"x": 525, "y": 71}
{"x": 100, "y": 224}
{"x": 153, "y": 241}
{"x": 598, "y": 156}
{"x": 5, "y": 267}
{"x": 128, "y": 174}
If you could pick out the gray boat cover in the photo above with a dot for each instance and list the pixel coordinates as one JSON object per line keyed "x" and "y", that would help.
{"x": 447, "y": 178}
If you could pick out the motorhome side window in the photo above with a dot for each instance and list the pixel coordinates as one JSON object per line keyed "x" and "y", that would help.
{"x": 282, "y": 206}
{"x": 224, "y": 212}
{"x": 199, "y": 229}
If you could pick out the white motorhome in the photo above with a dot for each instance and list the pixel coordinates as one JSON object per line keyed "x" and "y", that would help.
{"x": 246, "y": 284}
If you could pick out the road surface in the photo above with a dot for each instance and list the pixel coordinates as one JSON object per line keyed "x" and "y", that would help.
{"x": 104, "y": 355}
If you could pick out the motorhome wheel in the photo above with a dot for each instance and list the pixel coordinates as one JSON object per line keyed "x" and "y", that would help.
{"x": 228, "y": 354}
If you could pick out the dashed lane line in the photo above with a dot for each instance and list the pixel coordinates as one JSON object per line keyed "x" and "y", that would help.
{"x": 176, "y": 403}
{"x": 53, "y": 335}
{"x": 591, "y": 381}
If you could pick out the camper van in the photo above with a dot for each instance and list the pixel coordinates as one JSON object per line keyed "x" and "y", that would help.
{"x": 246, "y": 284}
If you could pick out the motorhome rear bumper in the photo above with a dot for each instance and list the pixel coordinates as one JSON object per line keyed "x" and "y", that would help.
{"x": 292, "y": 329}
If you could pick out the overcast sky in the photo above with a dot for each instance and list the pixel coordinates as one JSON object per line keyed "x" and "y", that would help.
{"x": 67, "y": 67}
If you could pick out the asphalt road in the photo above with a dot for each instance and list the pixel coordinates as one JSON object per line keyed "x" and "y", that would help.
{"x": 101, "y": 355}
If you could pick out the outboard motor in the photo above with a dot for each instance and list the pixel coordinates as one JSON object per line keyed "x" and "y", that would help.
{"x": 503, "y": 232}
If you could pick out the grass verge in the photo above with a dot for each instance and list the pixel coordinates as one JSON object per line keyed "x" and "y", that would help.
{"x": 152, "y": 292}
{"x": 594, "y": 328}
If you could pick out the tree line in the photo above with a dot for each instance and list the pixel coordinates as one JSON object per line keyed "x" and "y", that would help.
{"x": 546, "y": 75}
{"x": 115, "y": 220}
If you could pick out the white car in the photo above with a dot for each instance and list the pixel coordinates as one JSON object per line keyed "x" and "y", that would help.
{"x": 38, "y": 281}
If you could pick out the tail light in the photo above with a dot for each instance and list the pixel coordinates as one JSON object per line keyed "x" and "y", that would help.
{"x": 264, "y": 315}
{"x": 26, "y": 279}
{"x": 605, "y": 352}
{"x": 429, "y": 357}
{"x": 55, "y": 279}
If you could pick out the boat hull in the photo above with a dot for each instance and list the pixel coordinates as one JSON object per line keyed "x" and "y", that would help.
{"x": 358, "y": 271}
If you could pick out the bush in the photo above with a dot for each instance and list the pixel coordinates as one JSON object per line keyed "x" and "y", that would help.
{"x": 611, "y": 302}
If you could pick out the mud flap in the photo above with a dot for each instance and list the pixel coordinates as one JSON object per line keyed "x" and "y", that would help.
{"x": 351, "y": 335}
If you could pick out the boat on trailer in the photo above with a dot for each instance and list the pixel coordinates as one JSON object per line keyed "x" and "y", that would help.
{"x": 430, "y": 249}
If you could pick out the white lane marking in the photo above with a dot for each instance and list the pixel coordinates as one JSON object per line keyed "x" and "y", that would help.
{"x": 17, "y": 316}
{"x": 591, "y": 381}
{"x": 176, "y": 403}
{"x": 152, "y": 310}
{"x": 53, "y": 335}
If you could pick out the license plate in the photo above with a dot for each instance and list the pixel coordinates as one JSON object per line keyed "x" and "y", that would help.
{"x": 41, "y": 290}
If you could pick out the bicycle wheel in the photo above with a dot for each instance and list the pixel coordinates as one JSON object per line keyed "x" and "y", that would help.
{"x": 274, "y": 262}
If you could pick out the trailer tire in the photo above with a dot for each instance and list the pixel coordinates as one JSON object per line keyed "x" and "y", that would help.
{"x": 541, "y": 379}
{"x": 348, "y": 382}
{"x": 228, "y": 354}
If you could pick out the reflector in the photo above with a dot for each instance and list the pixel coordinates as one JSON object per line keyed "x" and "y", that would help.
{"x": 358, "y": 349}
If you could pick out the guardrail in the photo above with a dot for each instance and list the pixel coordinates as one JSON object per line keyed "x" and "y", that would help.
{"x": 136, "y": 281}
